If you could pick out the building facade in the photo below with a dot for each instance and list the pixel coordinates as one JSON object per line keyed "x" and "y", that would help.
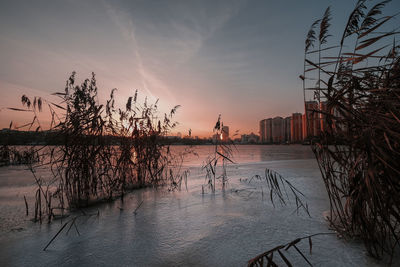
{"x": 296, "y": 128}
{"x": 324, "y": 109}
{"x": 311, "y": 120}
{"x": 277, "y": 130}
{"x": 287, "y": 129}
{"x": 262, "y": 131}
{"x": 268, "y": 131}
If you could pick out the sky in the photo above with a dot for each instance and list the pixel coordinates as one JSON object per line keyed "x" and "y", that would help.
{"x": 237, "y": 58}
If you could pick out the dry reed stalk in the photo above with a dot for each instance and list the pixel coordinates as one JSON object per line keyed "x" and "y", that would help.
{"x": 137, "y": 208}
{"x": 105, "y": 151}
{"x": 222, "y": 156}
{"x": 267, "y": 257}
{"x": 358, "y": 148}
{"x": 278, "y": 189}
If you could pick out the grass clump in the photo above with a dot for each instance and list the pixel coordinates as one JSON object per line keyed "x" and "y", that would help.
{"x": 358, "y": 83}
{"x": 105, "y": 151}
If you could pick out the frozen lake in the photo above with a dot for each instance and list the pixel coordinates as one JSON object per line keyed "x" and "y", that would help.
{"x": 185, "y": 228}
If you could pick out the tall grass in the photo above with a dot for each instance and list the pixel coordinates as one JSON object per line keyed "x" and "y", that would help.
{"x": 221, "y": 156}
{"x": 358, "y": 152}
{"x": 106, "y": 150}
{"x": 281, "y": 190}
{"x": 358, "y": 148}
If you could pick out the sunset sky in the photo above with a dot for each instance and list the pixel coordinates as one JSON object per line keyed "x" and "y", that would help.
{"x": 240, "y": 59}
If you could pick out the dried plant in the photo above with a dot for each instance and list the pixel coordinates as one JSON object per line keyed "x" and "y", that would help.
{"x": 105, "y": 151}
{"x": 278, "y": 189}
{"x": 223, "y": 153}
{"x": 178, "y": 177}
{"x": 358, "y": 145}
{"x": 72, "y": 223}
{"x": 267, "y": 258}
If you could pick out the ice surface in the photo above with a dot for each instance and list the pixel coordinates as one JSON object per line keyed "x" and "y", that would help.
{"x": 184, "y": 228}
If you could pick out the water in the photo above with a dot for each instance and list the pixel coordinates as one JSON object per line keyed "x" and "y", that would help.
{"x": 184, "y": 228}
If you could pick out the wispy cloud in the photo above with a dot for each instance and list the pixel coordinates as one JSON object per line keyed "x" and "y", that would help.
{"x": 125, "y": 25}
{"x": 164, "y": 45}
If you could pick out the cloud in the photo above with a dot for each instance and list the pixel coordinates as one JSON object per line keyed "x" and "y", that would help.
{"x": 125, "y": 25}
{"x": 197, "y": 24}
{"x": 161, "y": 46}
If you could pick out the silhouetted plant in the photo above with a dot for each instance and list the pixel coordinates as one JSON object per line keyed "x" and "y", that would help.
{"x": 223, "y": 153}
{"x": 357, "y": 150}
{"x": 280, "y": 188}
{"x": 105, "y": 150}
{"x": 267, "y": 258}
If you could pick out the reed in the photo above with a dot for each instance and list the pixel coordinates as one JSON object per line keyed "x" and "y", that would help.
{"x": 281, "y": 190}
{"x": 280, "y": 251}
{"x": 358, "y": 147}
{"x": 105, "y": 150}
{"x": 221, "y": 157}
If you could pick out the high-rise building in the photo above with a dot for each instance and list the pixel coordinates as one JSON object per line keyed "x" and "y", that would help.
{"x": 296, "y": 129}
{"x": 323, "y": 109}
{"x": 287, "y": 127}
{"x": 225, "y": 133}
{"x": 277, "y": 130}
{"x": 262, "y": 131}
{"x": 268, "y": 130}
{"x": 311, "y": 122}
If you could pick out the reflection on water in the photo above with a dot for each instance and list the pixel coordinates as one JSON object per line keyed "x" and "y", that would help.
{"x": 184, "y": 228}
